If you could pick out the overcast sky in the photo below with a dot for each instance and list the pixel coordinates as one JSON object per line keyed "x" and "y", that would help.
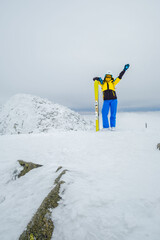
{"x": 53, "y": 49}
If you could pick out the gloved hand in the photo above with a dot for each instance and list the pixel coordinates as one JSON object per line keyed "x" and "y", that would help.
{"x": 126, "y": 67}
{"x": 98, "y": 79}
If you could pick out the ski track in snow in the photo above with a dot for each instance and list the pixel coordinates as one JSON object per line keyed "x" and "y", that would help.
{"x": 111, "y": 189}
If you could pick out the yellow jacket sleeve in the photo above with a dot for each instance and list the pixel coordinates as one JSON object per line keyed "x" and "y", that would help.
{"x": 116, "y": 81}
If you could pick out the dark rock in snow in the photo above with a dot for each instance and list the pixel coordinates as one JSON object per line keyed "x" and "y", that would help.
{"x": 158, "y": 146}
{"x": 41, "y": 226}
{"x": 27, "y": 166}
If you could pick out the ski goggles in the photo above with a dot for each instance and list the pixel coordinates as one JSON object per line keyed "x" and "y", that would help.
{"x": 108, "y": 76}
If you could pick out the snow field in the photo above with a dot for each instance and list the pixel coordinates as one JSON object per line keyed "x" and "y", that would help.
{"x": 111, "y": 189}
{"x": 114, "y": 194}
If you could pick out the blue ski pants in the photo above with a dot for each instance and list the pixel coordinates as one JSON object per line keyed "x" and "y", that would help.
{"x": 112, "y": 106}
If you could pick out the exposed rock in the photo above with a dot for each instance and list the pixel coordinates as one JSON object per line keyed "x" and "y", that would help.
{"x": 158, "y": 146}
{"x": 58, "y": 168}
{"x": 27, "y": 166}
{"x": 41, "y": 226}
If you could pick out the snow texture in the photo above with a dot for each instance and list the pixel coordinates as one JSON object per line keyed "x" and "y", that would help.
{"x": 25, "y": 113}
{"x": 111, "y": 190}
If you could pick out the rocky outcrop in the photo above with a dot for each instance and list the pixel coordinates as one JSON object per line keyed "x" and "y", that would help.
{"x": 27, "y": 166}
{"x": 41, "y": 225}
{"x": 158, "y": 146}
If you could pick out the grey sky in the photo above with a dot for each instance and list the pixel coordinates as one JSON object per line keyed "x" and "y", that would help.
{"x": 53, "y": 49}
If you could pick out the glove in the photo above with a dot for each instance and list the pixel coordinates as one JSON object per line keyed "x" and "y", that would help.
{"x": 126, "y": 67}
{"x": 98, "y": 79}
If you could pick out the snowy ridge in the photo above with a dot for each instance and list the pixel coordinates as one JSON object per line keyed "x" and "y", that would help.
{"x": 25, "y": 113}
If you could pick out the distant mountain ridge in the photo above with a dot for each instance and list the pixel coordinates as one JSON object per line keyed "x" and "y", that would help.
{"x": 25, "y": 113}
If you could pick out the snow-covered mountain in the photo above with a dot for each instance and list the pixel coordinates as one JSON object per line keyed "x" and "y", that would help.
{"x": 25, "y": 113}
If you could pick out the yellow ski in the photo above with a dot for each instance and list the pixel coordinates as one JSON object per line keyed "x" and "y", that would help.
{"x": 96, "y": 104}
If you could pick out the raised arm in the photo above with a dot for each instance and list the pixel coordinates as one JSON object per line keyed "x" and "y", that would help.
{"x": 121, "y": 74}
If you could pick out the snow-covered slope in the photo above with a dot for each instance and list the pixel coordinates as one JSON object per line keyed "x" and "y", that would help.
{"x": 25, "y": 113}
{"x": 111, "y": 190}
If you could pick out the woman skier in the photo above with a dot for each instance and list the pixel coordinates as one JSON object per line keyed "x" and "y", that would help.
{"x": 109, "y": 97}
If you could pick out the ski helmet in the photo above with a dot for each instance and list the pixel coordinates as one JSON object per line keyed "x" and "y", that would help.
{"x": 108, "y": 73}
